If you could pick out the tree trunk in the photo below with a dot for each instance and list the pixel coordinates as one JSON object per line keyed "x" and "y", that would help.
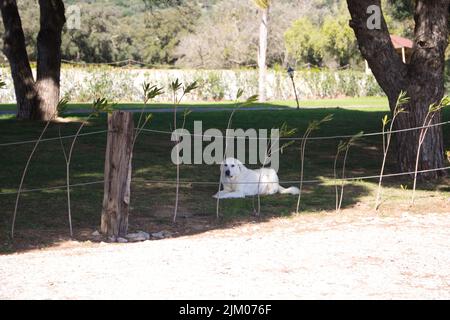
{"x": 15, "y": 50}
{"x": 119, "y": 151}
{"x": 35, "y": 100}
{"x": 49, "y": 56}
{"x": 422, "y": 79}
{"x": 262, "y": 53}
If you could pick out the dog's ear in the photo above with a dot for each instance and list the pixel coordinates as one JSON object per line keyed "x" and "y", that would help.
{"x": 240, "y": 165}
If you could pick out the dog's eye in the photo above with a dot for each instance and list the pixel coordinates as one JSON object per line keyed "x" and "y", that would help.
{"x": 226, "y": 165}
{"x": 232, "y": 165}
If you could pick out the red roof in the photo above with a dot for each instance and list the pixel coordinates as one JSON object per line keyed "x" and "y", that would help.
{"x": 400, "y": 42}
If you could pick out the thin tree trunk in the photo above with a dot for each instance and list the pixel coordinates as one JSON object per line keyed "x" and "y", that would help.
{"x": 49, "y": 56}
{"x": 422, "y": 78}
{"x": 15, "y": 50}
{"x": 262, "y": 54}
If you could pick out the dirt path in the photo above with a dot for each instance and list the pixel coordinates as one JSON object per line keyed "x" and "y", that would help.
{"x": 320, "y": 256}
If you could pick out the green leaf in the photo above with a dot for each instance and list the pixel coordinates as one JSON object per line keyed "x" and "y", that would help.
{"x": 285, "y": 131}
{"x": 239, "y": 93}
{"x": 102, "y": 105}
{"x": 250, "y": 100}
{"x": 153, "y": 92}
{"x": 175, "y": 85}
{"x": 356, "y": 137}
{"x": 191, "y": 87}
{"x": 186, "y": 112}
{"x": 62, "y": 105}
{"x": 342, "y": 146}
{"x": 402, "y": 99}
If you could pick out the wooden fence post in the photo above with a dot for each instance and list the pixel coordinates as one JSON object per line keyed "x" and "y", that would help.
{"x": 119, "y": 152}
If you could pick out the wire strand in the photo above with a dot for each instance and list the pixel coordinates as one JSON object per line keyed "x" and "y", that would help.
{"x": 52, "y": 139}
{"x": 300, "y": 138}
{"x": 216, "y": 183}
{"x": 237, "y": 137}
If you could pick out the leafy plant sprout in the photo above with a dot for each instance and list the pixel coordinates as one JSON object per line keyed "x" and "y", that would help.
{"x": 250, "y": 100}
{"x": 99, "y": 105}
{"x": 401, "y": 101}
{"x": 150, "y": 92}
{"x": 432, "y": 111}
{"x": 175, "y": 86}
{"x": 62, "y": 104}
{"x": 313, "y": 125}
{"x": 284, "y": 133}
{"x": 343, "y": 146}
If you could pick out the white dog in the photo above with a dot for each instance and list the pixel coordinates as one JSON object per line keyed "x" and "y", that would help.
{"x": 239, "y": 182}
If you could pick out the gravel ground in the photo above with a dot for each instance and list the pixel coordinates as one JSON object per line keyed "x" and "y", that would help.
{"x": 315, "y": 256}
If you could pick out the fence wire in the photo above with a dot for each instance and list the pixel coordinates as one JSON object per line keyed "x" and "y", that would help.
{"x": 236, "y": 137}
{"x": 184, "y": 182}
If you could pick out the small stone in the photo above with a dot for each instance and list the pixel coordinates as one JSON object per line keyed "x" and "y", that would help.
{"x": 96, "y": 233}
{"x": 158, "y": 235}
{"x": 138, "y": 236}
{"x": 161, "y": 235}
{"x": 122, "y": 240}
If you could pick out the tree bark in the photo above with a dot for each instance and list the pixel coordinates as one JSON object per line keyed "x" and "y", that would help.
{"x": 422, "y": 79}
{"x": 15, "y": 50}
{"x": 36, "y": 100}
{"x": 52, "y": 20}
{"x": 119, "y": 151}
{"x": 262, "y": 53}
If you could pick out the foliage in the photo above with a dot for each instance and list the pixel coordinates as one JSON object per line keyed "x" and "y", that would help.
{"x": 329, "y": 42}
{"x": 211, "y": 33}
{"x": 303, "y": 41}
{"x": 125, "y": 85}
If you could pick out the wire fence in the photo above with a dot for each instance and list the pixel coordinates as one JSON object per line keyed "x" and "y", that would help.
{"x": 371, "y": 134}
{"x": 184, "y": 182}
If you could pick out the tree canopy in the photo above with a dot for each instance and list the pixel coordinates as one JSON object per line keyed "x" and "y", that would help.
{"x": 212, "y": 33}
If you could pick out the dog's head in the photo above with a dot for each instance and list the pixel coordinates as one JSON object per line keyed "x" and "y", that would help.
{"x": 231, "y": 168}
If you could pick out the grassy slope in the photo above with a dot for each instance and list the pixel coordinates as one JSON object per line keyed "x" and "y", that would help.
{"x": 152, "y": 203}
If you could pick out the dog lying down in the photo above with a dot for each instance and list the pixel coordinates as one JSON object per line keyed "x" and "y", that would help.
{"x": 239, "y": 182}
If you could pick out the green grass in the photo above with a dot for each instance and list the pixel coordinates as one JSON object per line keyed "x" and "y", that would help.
{"x": 42, "y": 217}
{"x": 377, "y": 102}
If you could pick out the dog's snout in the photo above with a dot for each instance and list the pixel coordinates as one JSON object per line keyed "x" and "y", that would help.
{"x": 227, "y": 173}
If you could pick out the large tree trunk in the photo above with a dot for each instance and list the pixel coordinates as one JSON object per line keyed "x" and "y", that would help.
{"x": 262, "y": 53}
{"x": 119, "y": 151}
{"x": 15, "y": 50}
{"x": 35, "y": 100}
{"x": 49, "y": 56}
{"x": 422, "y": 78}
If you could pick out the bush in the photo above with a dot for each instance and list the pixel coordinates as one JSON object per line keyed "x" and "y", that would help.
{"x": 84, "y": 84}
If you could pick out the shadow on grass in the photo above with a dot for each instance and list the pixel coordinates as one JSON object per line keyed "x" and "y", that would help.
{"x": 42, "y": 216}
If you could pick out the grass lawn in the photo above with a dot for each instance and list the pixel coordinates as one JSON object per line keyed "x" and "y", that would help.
{"x": 42, "y": 218}
{"x": 371, "y": 102}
